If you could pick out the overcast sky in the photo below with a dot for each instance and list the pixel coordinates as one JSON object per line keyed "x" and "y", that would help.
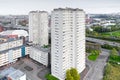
{"x": 90, "y": 6}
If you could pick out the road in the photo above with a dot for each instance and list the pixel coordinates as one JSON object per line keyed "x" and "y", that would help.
{"x": 102, "y": 42}
{"x": 97, "y": 68}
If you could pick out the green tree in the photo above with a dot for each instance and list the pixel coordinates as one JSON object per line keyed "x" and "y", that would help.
{"x": 68, "y": 75}
{"x": 114, "y": 52}
{"x": 72, "y": 74}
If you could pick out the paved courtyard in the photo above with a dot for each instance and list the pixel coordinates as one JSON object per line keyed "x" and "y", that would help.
{"x": 33, "y": 70}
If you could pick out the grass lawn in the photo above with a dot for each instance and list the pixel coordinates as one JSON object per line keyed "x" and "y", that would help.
{"x": 112, "y": 72}
{"x": 114, "y": 33}
{"x": 93, "y": 57}
{"x": 50, "y": 77}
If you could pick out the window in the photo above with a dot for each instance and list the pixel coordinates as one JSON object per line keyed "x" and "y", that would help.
{"x": 56, "y": 23}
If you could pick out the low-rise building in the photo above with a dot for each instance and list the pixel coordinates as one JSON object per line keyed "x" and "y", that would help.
{"x": 12, "y": 33}
{"x": 11, "y": 49}
{"x": 27, "y": 50}
{"x": 12, "y": 74}
{"x": 40, "y": 54}
{"x": 9, "y": 56}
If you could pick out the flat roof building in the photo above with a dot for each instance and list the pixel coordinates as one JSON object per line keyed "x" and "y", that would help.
{"x": 12, "y": 74}
{"x": 67, "y": 41}
{"x": 13, "y": 33}
{"x": 11, "y": 49}
{"x": 40, "y": 54}
{"x": 38, "y": 27}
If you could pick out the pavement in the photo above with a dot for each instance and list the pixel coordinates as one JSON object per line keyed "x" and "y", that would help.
{"x": 32, "y": 74}
{"x": 102, "y": 42}
{"x": 42, "y": 73}
{"x": 96, "y": 70}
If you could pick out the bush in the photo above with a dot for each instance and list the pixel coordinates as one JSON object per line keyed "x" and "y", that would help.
{"x": 46, "y": 46}
{"x": 106, "y": 46}
{"x": 114, "y": 58}
{"x": 94, "y": 55}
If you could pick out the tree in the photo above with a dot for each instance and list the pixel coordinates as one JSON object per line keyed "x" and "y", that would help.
{"x": 72, "y": 74}
{"x": 68, "y": 75}
{"x": 114, "y": 52}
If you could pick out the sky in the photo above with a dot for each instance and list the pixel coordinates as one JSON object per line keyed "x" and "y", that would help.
{"x": 18, "y": 7}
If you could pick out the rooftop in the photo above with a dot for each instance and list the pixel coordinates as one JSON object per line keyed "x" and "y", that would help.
{"x": 19, "y": 33}
{"x": 16, "y": 74}
{"x": 38, "y": 11}
{"x": 69, "y": 9}
{"x": 4, "y": 39}
{"x": 7, "y": 71}
{"x": 41, "y": 48}
{"x": 11, "y": 72}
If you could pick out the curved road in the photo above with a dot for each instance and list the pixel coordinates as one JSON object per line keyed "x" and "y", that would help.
{"x": 97, "y": 68}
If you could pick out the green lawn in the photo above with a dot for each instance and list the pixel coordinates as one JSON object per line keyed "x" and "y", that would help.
{"x": 93, "y": 57}
{"x": 50, "y": 77}
{"x": 114, "y": 33}
{"x": 112, "y": 72}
